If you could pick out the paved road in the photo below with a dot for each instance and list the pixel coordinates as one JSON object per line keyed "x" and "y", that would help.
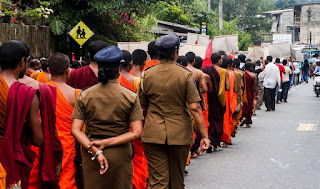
{"x": 281, "y": 150}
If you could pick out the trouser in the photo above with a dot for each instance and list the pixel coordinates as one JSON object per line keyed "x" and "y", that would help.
{"x": 260, "y": 95}
{"x": 285, "y": 90}
{"x": 166, "y": 165}
{"x": 291, "y": 80}
{"x": 296, "y": 79}
{"x": 305, "y": 77}
{"x": 269, "y": 98}
{"x": 279, "y": 93}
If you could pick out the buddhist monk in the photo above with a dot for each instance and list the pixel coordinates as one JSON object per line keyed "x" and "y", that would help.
{"x": 139, "y": 57}
{"x": 19, "y": 120}
{"x": 34, "y": 67}
{"x": 252, "y": 90}
{"x": 216, "y": 101}
{"x": 231, "y": 103}
{"x": 202, "y": 84}
{"x": 44, "y": 76}
{"x": 239, "y": 85}
{"x": 66, "y": 99}
{"x": 87, "y": 76}
{"x": 154, "y": 55}
{"x": 140, "y": 164}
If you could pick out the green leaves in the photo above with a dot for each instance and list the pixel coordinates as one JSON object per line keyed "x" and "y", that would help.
{"x": 57, "y": 26}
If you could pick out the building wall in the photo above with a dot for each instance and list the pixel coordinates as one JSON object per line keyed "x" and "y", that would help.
{"x": 313, "y": 25}
{"x": 286, "y": 18}
{"x": 38, "y": 38}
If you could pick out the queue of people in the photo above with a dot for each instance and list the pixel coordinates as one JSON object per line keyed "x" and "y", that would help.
{"x": 124, "y": 121}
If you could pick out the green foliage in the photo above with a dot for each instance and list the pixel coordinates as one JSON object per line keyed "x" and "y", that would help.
{"x": 145, "y": 26}
{"x": 32, "y": 13}
{"x": 57, "y": 26}
{"x": 6, "y": 6}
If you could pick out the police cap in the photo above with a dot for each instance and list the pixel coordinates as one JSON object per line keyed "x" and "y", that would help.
{"x": 108, "y": 55}
{"x": 168, "y": 42}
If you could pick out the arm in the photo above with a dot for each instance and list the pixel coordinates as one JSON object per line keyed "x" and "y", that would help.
{"x": 208, "y": 81}
{"x": 263, "y": 63}
{"x": 255, "y": 86}
{"x": 204, "y": 85}
{"x": 125, "y": 138}
{"x": 196, "y": 112}
{"x": 35, "y": 125}
{"x": 227, "y": 82}
{"x": 81, "y": 137}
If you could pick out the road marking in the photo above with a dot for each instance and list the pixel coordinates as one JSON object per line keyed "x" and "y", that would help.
{"x": 308, "y": 126}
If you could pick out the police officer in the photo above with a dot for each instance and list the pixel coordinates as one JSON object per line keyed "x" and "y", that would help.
{"x": 108, "y": 110}
{"x": 167, "y": 95}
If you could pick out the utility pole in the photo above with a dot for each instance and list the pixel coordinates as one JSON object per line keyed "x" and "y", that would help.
{"x": 209, "y": 5}
{"x": 220, "y": 14}
{"x": 309, "y": 19}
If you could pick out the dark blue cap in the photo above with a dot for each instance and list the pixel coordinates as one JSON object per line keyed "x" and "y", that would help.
{"x": 108, "y": 55}
{"x": 168, "y": 42}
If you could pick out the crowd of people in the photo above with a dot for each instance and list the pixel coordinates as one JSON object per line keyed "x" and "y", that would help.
{"x": 125, "y": 120}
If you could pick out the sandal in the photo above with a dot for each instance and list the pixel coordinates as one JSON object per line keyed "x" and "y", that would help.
{"x": 218, "y": 150}
{"x": 243, "y": 121}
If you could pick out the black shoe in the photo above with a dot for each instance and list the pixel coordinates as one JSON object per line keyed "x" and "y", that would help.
{"x": 186, "y": 172}
{"x": 268, "y": 110}
{"x": 210, "y": 149}
{"x": 273, "y": 109}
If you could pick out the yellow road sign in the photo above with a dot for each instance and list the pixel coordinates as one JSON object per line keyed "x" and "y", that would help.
{"x": 81, "y": 33}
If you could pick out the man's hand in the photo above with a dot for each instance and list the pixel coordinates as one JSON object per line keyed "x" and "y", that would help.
{"x": 204, "y": 144}
{"x": 97, "y": 143}
{"x": 103, "y": 162}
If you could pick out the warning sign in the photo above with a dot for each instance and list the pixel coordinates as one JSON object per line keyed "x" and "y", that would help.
{"x": 81, "y": 33}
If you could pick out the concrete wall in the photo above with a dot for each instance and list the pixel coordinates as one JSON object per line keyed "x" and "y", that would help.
{"x": 39, "y": 38}
{"x": 286, "y": 18}
{"x": 313, "y": 25}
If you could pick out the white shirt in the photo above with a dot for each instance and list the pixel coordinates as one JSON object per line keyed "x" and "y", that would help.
{"x": 286, "y": 74}
{"x": 270, "y": 76}
{"x": 297, "y": 68}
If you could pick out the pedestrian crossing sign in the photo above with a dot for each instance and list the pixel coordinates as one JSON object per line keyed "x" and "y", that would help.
{"x": 81, "y": 33}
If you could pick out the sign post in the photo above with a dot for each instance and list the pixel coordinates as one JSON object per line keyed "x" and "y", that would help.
{"x": 81, "y": 33}
{"x": 203, "y": 28}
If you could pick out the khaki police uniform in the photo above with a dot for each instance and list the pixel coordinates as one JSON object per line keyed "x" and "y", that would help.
{"x": 166, "y": 90}
{"x": 109, "y": 109}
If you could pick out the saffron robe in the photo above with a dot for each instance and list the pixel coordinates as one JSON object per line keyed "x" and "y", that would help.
{"x": 140, "y": 164}
{"x": 247, "y": 109}
{"x": 237, "y": 115}
{"x": 63, "y": 126}
{"x": 40, "y": 77}
{"x": 231, "y": 106}
{"x": 49, "y": 155}
{"x": 82, "y": 78}
{"x": 4, "y": 90}
{"x": 16, "y": 155}
{"x": 222, "y": 86}
{"x": 215, "y": 109}
{"x": 151, "y": 63}
{"x": 28, "y": 72}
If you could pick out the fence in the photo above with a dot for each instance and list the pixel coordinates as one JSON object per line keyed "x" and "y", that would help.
{"x": 39, "y": 38}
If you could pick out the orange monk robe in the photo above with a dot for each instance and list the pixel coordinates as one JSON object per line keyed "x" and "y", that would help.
{"x": 237, "y": 115}
{"x": 222, "y": 86}
{"x": 63, "y": 126}
{"x": 140, "y": 164}
{"x": 151, "y": 63}
{"x": 28, "y": 72}
{"x": 40, "y": 77}
{"x": 231, "y": 106}
{"x": 4, "y": 90}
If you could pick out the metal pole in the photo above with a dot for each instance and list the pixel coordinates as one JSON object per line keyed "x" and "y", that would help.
{"x": 220, "y": 14}
{"x": 80, "y": 52}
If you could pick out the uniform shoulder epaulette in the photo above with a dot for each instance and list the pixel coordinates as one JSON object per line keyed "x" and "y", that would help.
{"x": 183, "y": 67}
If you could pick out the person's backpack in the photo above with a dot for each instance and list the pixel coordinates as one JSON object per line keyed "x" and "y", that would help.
{"x": 305, "y": 66}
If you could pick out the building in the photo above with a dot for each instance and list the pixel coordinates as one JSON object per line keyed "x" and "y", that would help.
{"x": 307, "y": 23}
{"x": 164, "y": 28}
{"x": 282, "y": 22}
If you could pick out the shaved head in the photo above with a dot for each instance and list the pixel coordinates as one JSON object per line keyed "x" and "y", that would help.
{"x": 58, "y": 64}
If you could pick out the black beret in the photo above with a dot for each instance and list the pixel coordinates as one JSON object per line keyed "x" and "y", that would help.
{"x": 168, "y": 42}
{"x": 107, "y": 55}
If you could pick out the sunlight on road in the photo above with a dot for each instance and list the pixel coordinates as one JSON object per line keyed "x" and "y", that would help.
{"x": 308, "y": 126}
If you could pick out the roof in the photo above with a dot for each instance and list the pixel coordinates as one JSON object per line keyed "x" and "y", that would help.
{"x": 175, "y": 25}
{"x": 278, "y": 11}
{"x": 305, "y": 4}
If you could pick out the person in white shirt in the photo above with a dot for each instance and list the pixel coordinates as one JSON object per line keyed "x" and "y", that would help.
{"x": 271, "y": 79}
{"x": 285, "y": 80}
{"x": 296, "y": 73}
